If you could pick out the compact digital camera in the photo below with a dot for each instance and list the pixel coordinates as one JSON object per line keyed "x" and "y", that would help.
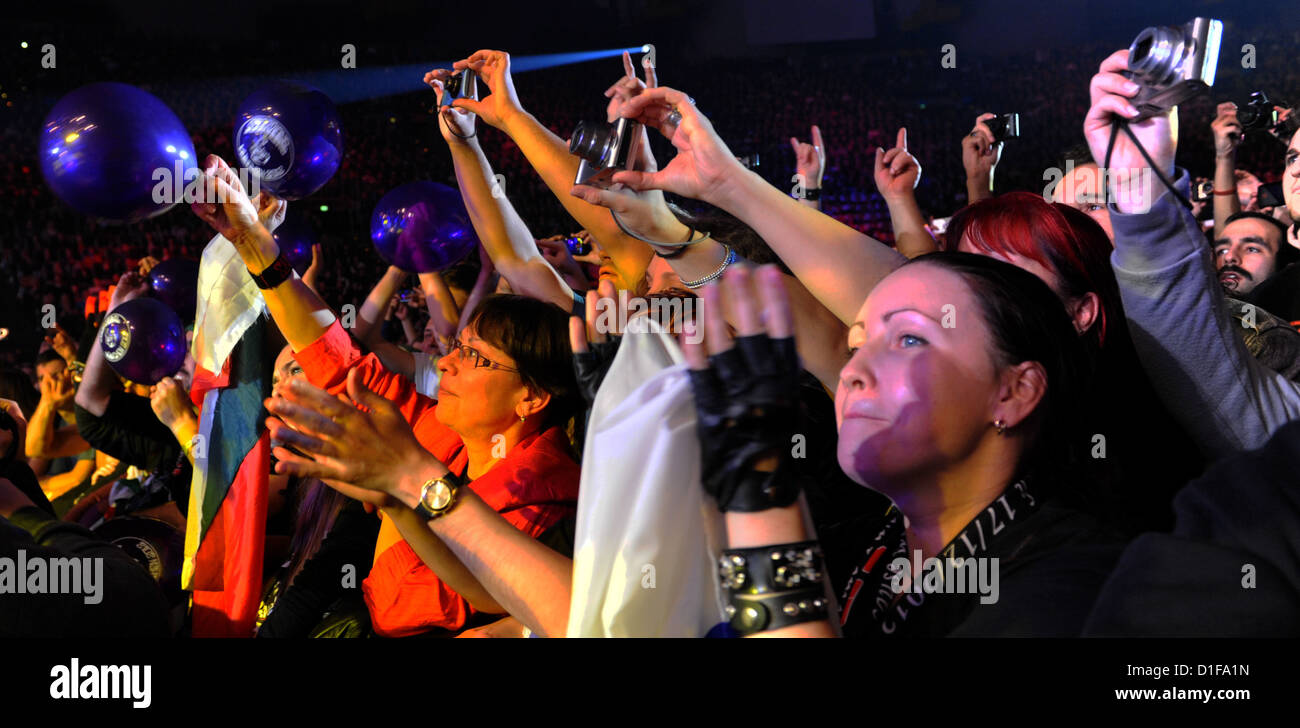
{"x": 463, "y": 85}
{"x": 1173, "y": 64}
{"x": 604, "y": 149}
{"x": 1005, "y": 126}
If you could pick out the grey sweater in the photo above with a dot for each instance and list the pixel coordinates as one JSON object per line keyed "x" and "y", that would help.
{"x": 1227, "y": 401}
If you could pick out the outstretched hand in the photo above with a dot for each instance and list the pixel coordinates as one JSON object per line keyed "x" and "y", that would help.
{"x": 493, "y": 69}
{"x": 364, "y": 454}
{"x": 703, "y": 168}
{"x": 223, "y": 203}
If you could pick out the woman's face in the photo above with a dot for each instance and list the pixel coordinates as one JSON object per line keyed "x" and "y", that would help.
{"x": 474, "y": 400}
{"x": 286, "y": 368}
{"x": 919, "y": 391}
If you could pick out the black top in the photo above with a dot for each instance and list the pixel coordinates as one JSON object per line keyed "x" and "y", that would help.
{"x": 1231, "y": 566}
{"x": 130, "y": 602}
{"x": 130, "y": 432}
{"x": 1052, "y": 561}
{"x": 350, "y": 542}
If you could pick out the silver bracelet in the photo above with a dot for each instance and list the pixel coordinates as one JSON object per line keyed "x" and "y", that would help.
{"x": 728, "y": 260}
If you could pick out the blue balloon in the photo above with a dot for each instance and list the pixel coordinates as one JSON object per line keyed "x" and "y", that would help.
{"x": 294, "y": 237}
{"x": 422, "y": 227}
{"x": 115, "y": 152}
{"x": 175, "y": 282}
{"x": 289, "y": 133}
{"x": 143, "y": 340}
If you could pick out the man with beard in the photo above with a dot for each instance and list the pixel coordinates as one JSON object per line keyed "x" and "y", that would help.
{"x": 1252, "y": 250}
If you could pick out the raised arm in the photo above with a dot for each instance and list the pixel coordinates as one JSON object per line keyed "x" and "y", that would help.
{"x": 44, "y": 439}
{"x": 549, "y": 156}
{"x": 810, "y": 167}
{"x": 897, "y": 174}
{"x": 979, "y": 156}
{"x": 838, "y": 264}
{"x": 1226, "y": 399}
{"x": 99, "y": 381}
{"x": 501, "y": 231}
{"x": 1227, "y": 137}
{"x": 299, "y": 313}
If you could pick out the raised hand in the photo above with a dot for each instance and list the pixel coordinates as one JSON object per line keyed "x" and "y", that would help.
{"x": 980, "y": 153}
{"x": 704, "y": 167}
{"x": 1110, "y": 93}
{"x": 130, "y": 286}
{"x": 593, "y": 347}
{"x": 1227, "y": 130}
{"x": 810, "y": 159}
{"x": 493, "y": 69}
{"x": 62, "y": 343}
{"x": 223, "y": 202}
{"x": 455, "y": 123}
{"x": 59, "y": 390}
{"x": 746, "y": 391}
{"x": 897, "y": 171}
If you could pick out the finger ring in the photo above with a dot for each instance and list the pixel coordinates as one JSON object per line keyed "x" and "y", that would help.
{"x": 674, "y": 117}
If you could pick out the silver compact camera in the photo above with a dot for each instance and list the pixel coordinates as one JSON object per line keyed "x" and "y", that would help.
{"x": 603, "y": 149}
{"x": 1173, "y": 64}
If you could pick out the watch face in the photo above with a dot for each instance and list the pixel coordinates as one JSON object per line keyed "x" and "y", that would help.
{"x": 437, "y": 497}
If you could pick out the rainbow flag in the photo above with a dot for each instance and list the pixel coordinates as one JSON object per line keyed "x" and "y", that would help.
{"x": 226, "y": 524}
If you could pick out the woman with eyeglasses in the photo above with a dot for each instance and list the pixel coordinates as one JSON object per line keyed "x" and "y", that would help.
{"x": 497, "y": 427}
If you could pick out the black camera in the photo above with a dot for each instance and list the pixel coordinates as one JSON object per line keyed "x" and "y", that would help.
{"x": 577, "y": 245}
{"x": 1004, "y": 126}
{"x": 1173, "y": 64}
{"x": 1203, "y": 191}
{"x": 463, "y": 85}
{"x": 1258, "y": 113}
{"x": 603, "y": 148}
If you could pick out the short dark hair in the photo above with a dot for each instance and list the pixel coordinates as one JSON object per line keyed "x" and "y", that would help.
{"x": 1282, "y": 244}
{"x": 1079, "y": 154}
{"x": 47, "y": 356}
{"x": 536, "y": 335}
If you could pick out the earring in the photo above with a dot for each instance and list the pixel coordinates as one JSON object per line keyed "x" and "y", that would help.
{"x": 522, "y": 417}
{"x": 1002, "y": 426}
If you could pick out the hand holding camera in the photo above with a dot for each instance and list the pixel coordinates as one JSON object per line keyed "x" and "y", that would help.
{"x": 703, "y": 168}
{"x": 493, "y": 68}
{"x": 1227, "y": 130}
{"x": 1112, "y": 93}
{"x": 456, "y": 124}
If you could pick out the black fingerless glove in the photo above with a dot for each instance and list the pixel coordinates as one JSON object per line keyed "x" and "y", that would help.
{"x": 591, "y": 366}
{"x": 749, "y": 411}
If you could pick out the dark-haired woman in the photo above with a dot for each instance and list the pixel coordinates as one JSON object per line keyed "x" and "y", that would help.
{"x": 958, "y": 404}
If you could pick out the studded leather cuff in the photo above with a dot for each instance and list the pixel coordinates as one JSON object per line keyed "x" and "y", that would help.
{"x": 773, "y": 586}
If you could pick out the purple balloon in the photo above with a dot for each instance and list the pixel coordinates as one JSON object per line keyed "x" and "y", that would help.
{"x": 289, "y": 134}
{"x": 143, "y": 340}
{"x": 176, "y": 283}
{"x": 115, "y": 152}
{"x": 294, "y": 237}
{"x": 422, "y": 227}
